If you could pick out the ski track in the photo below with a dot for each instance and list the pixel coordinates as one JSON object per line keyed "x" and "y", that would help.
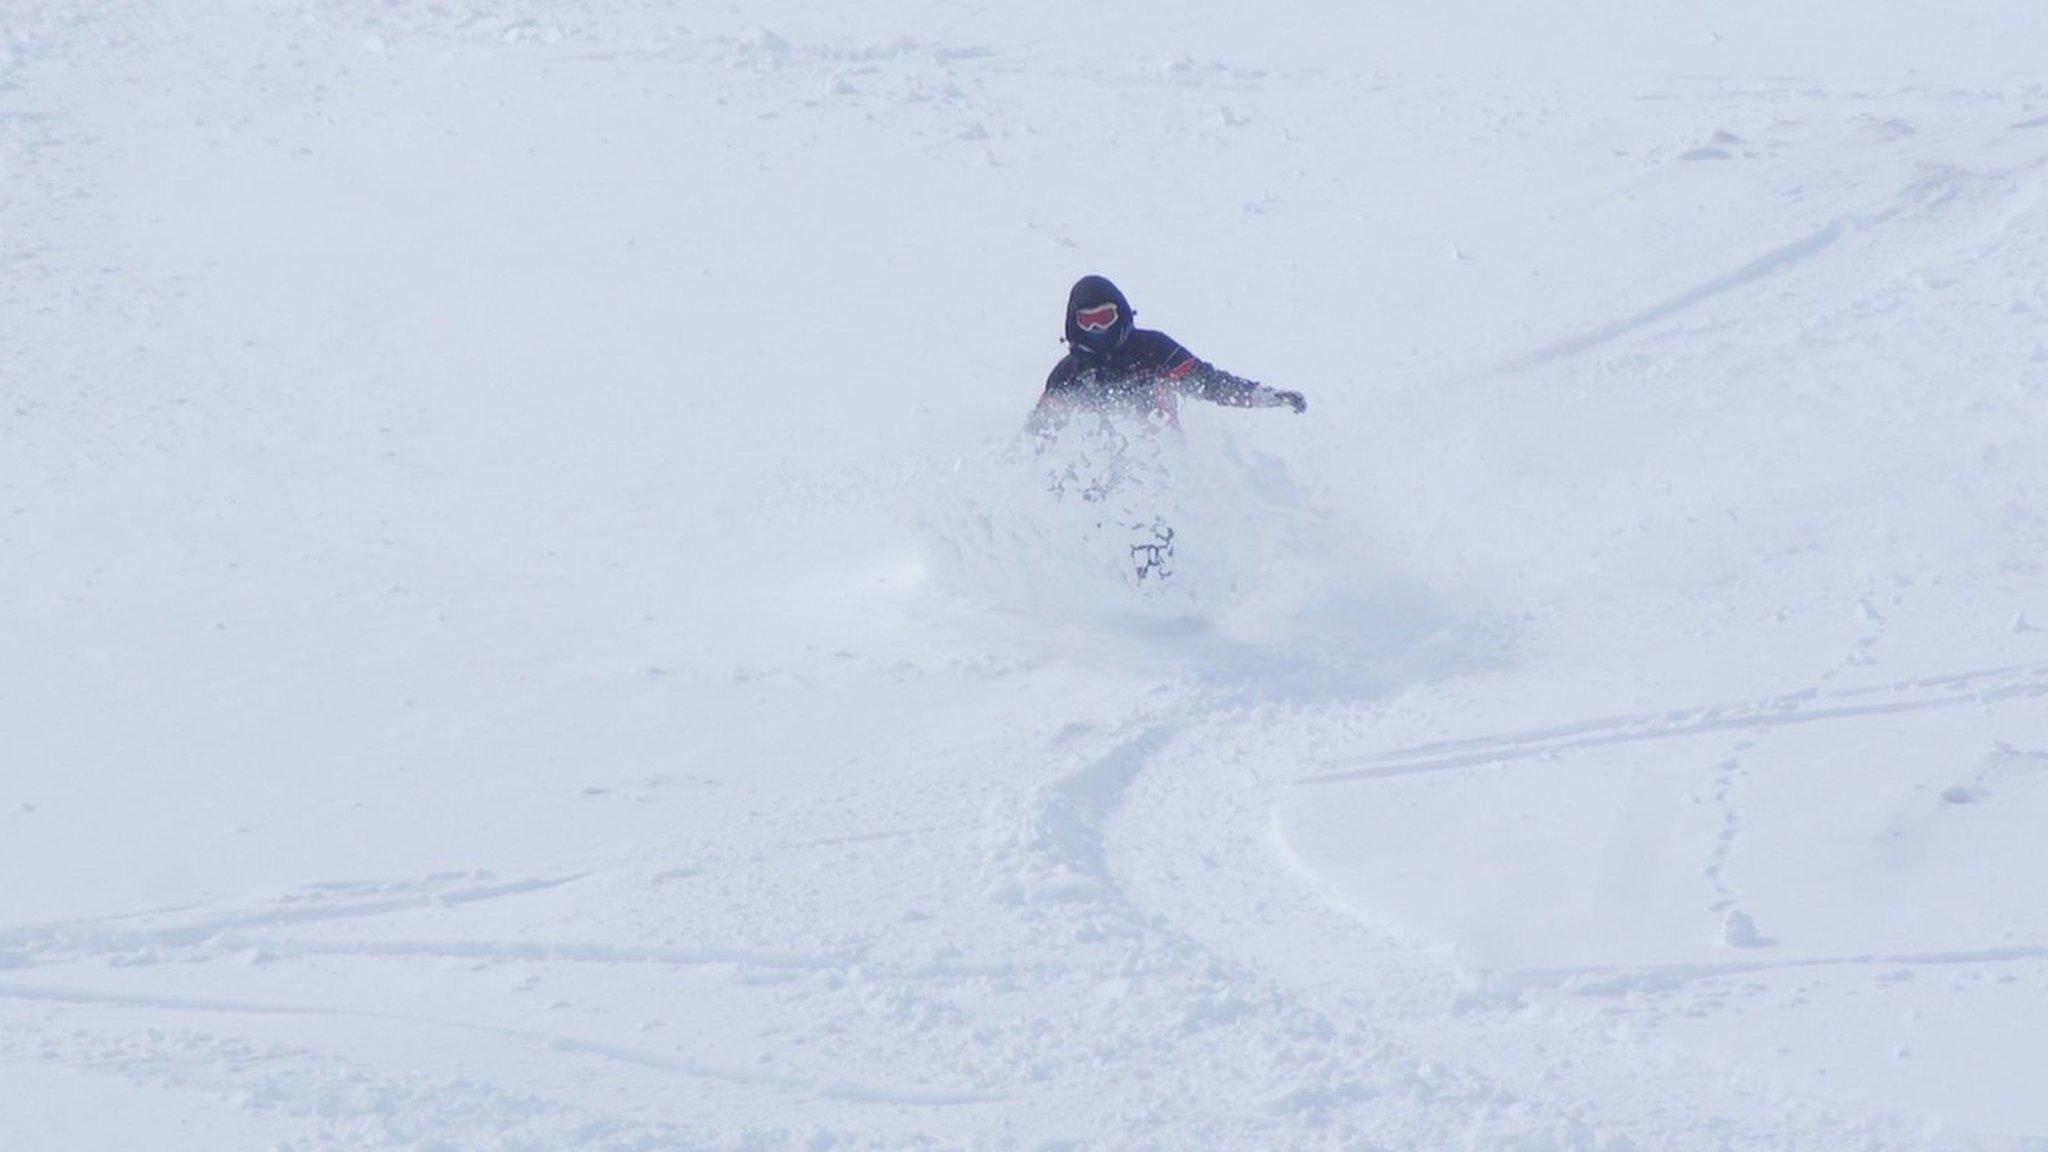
{"x": 341, "y": 1104}
{"x": 1771, "y": 263}
{"x": 1340, "y": 1067}
{"x": 1602, "y": 980}
{"x": 1807, "y": 706}
{"x": 318, "y": 904}
{"x": 837, "y": 1090}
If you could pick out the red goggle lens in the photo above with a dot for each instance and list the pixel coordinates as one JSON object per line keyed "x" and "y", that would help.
{"x": 1100, "y": 318}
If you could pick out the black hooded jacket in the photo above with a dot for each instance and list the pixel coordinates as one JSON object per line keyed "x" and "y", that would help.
{"x": 1116, "y": 368}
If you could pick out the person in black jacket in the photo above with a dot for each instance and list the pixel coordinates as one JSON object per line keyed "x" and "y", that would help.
{"x": 1115, "y": 368}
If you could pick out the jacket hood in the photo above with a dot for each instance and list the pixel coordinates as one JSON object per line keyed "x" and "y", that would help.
{"x": 1098, "y": 317}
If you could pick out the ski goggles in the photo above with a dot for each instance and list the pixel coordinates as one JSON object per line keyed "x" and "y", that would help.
{"x": 1100, "y": 318}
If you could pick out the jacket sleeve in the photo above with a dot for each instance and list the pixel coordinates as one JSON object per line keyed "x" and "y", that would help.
{"x": 1193, "y": 376}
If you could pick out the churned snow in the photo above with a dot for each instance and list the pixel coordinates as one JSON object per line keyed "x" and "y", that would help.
{"x": 526, "y": 623}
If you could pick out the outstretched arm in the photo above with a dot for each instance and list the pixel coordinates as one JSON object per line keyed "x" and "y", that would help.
{"x": 1195, "y": 376}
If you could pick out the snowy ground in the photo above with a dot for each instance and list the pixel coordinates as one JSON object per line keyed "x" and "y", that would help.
{"x": 524, "y": 625}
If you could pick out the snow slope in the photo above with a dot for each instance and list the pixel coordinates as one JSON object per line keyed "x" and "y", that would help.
{"x": 524, "y": 622}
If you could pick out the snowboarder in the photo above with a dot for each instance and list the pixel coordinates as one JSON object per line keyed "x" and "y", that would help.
{"x": 1114, "y": 368}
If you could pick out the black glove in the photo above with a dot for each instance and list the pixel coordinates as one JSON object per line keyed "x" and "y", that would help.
{"x": 1294, "y": 400}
